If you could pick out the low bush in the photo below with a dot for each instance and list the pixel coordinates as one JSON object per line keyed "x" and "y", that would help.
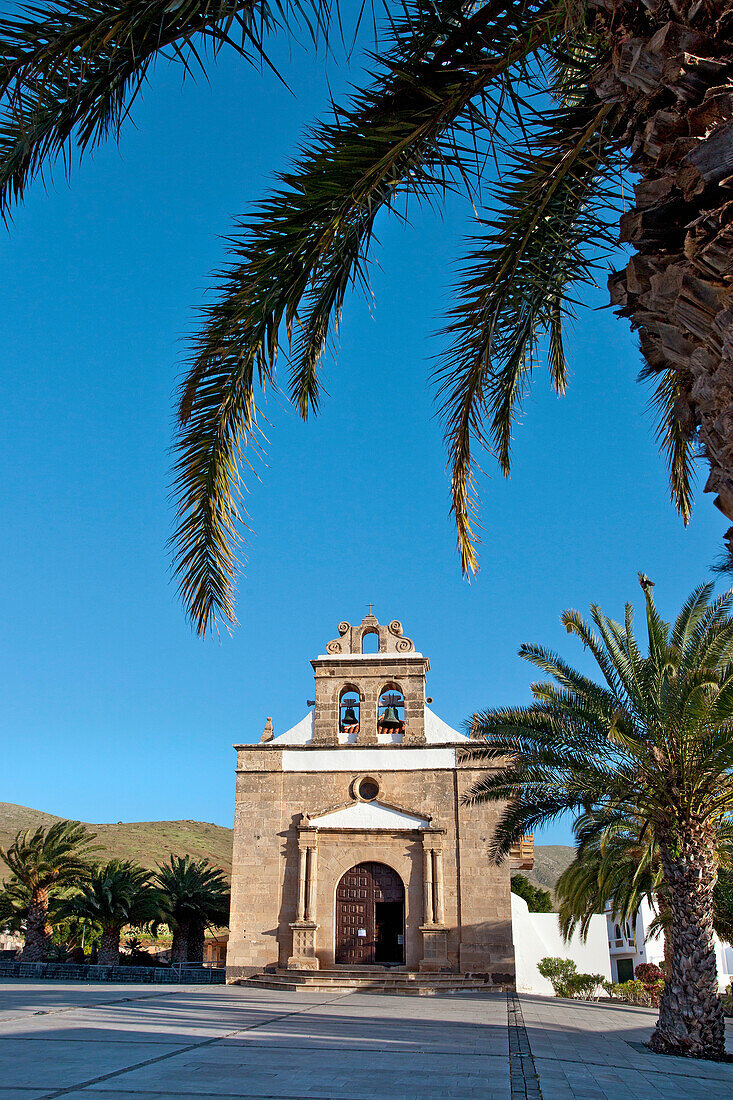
{"x": 649, "y": 973}
{"x": 566, "y": 981}
{"x": 635, "y": 992}
{"x": 652, "y": 978}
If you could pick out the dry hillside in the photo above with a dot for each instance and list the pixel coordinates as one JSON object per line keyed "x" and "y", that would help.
{"x": 550, "y": 860}
{"x": 145, "y": 842}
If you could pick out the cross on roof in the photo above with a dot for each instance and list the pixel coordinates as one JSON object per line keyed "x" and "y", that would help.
{"x": 370, "y": 606}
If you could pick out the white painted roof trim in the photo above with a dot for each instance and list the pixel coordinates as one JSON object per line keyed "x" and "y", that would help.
{"x": 351, "y": 758}
{"x": 299, "y": 734}
{"x": 437, "y": 732}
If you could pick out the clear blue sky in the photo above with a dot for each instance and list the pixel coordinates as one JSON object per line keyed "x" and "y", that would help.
{"x": 112, "y": 709}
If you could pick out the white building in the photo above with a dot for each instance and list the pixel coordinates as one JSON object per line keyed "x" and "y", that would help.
{"x": 629, "y": 943}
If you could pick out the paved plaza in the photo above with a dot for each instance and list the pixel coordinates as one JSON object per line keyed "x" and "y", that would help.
{"x": 125, "y": 1042}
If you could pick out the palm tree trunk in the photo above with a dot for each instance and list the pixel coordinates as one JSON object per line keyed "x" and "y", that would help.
{"x": 179, "y": 947}
{"x": 196, "y": 938}
{"x": 109, "y": 947}
{"x": 37, "y": 932}
{"x": 690, "y": 1015}
{"x": 671, "y": 81}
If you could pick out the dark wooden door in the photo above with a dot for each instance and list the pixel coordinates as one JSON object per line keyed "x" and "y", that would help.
{"x": 359, "y": 894}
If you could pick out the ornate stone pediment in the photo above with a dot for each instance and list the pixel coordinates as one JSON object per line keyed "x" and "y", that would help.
{"x": 391, "y": 638}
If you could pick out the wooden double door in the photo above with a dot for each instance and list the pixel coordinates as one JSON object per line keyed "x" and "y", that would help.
{"x": 370, "y": 916}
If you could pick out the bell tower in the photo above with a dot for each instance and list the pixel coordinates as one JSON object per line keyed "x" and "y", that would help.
{"x": 370, "y": 698}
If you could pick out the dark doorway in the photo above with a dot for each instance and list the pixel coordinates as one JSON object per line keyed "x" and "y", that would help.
{"x": 625, "y": 969}
{"x": 370, "y": 916}
{"x": 388, "y": 928}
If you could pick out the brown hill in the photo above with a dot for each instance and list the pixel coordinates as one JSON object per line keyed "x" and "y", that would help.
{"x": 550, "y": 860}
{"x": 145, "y": 842}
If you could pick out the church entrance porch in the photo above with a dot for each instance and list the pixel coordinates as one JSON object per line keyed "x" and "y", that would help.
{"x": 370, "y": 916}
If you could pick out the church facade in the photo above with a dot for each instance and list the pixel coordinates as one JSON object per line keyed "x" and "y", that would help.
{"x": 353, "y": 845}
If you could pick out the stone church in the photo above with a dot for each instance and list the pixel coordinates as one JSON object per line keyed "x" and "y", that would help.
{"x": 352, "y": 844}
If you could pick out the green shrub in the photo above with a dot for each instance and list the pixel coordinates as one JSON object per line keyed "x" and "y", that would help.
{"x": 566, "y": 981}
{"x": 538, "y": 900}
{"x": 583, "y": 986}
{"x": 635, "y": 992}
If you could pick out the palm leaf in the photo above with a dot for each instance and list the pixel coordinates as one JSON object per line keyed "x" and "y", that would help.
{"x": 69, "y": 74}
{"x": 309, "y": 241}
{"x": 516, "y": 284}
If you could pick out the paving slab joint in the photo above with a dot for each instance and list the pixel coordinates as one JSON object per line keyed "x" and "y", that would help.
{"x": 523, "y": 1078}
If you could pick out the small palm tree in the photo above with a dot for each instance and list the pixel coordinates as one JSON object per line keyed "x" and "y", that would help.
{"x": 617, "y": 863}
{"x": 653, "y": 741}
{"x": 194, "y": 895}
{"x": 15, "y": 900}
{"x": 47, "y": 862}
{"x": 566, "y": 97}
{"x": 117, "y": 893}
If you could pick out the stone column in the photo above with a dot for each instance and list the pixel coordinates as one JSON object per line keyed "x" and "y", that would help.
{"x": 302, "y": 859}
{"x": 428, "y": 885}
{"x": 310, "y": 912}
{"x": 304, "y": 927}
{"x": 434, "y": 931}
{"x": 438, "y": 879}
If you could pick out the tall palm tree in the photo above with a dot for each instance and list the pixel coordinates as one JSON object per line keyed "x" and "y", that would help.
{"x": 567, "y": 98}
{"x": 653, "y": 740}
{"x": 47, "y": 862}
{"x": 117, "y": 893}
{"x": 194, "y": 894}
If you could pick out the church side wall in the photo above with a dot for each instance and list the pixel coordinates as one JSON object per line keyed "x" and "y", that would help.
{"x": 487, "y": 944}
{"x": 258, "y": 864}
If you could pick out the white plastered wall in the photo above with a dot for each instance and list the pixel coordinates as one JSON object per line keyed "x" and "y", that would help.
{"x": 537, "y": 935}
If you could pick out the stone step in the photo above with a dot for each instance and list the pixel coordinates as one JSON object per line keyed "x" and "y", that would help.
{"x": 406, "y": 989}
{"x": 368, "y": 975}
{"x": 406, "y": 983}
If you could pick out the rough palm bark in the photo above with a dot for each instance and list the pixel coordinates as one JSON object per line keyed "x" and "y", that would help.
{"x": 179, "y": 946}
{"x": 690, "y": 1014}
{"x": 196, "y": 938}
{"x": 109, "y": 947}
{"x": 37, "y": 931}
{"x": 672, "y": 74}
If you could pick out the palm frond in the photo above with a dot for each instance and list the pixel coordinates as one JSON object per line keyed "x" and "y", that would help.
{"x": 309, "y": 242}
{"x": 70, "y": 72}
{"x": 517, "y": 284}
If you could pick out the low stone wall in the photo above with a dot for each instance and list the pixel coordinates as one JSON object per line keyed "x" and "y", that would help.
{"x": 82, "y": 972}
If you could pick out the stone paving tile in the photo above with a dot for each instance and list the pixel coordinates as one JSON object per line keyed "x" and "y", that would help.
{"x": 583, "y": 1052}
{"x": 42, "y": 1065}
{"x": 234, "y": 1042}
{"x": 22, "y": 1094}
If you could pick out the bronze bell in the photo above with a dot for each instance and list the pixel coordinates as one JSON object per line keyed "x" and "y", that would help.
{"x": 389, "y": 720}
{"x": 350, "y": 718}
